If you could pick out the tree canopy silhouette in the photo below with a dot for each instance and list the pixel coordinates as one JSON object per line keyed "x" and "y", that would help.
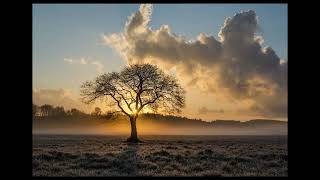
{"x": 136, "y": 88}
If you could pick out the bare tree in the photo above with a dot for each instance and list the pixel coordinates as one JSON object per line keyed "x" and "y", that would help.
{"x": 136, "y": 88}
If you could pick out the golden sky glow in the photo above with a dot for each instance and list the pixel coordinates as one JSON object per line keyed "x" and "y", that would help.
{"x": 229, "y": 68}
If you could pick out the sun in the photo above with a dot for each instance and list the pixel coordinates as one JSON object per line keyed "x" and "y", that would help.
{"x": 134, "y": 111}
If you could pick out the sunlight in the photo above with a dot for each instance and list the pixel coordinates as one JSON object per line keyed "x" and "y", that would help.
{"x": 147, "y": 110}
{"x": 134, "y": 111}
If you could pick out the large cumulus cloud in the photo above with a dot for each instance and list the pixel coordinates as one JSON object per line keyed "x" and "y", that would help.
{"x": 235, "y": 67}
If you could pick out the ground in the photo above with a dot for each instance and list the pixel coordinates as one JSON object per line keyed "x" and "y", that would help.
{"x": 71, "y": 155}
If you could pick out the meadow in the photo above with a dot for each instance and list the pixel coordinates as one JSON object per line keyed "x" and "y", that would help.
{"x": 90, "y": 155}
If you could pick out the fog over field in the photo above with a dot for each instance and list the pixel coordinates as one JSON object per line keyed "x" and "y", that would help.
{"x": 153, "y": 124}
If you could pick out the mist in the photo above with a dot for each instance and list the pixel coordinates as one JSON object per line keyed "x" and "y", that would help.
{"x": 170, "y": 125}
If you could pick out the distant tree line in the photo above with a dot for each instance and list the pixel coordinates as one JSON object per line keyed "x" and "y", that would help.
{"x": 175, "y": 118}
{"x": 48, "y": 110}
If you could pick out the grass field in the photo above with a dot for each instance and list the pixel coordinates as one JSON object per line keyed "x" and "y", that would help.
{"x": 72, "y": 155}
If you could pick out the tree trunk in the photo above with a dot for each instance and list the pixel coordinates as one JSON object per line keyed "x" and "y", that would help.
{"x": 134, "y": 135}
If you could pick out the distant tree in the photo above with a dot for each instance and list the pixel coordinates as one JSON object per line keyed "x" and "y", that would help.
{"x": 34, "y": 110}
{"x": 68, "y": 113}
{"x": 108, "y": 115}
{"x": 97, "y": 112}
{"x": 77, "y": 113}
{"x": 59, "y": 111}
{"x": 136, "y": 88}
{"x": 74, "y": 112}
{"x": 46, "y": 110}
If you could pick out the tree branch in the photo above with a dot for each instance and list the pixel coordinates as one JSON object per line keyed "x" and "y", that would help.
{"x": 118, "y": 103}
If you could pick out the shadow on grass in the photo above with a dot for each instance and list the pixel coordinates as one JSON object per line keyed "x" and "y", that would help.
{"x": 126, "y": 162}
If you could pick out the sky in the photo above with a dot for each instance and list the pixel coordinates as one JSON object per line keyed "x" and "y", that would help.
{"x": 72, "y": 43}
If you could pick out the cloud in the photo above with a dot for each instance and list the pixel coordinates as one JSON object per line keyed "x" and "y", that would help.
{"x": 84, "y": 61}
{"x": 236, "y": 67}
{"x": 283, "y": 61}
{"x": 74, "y": 61}
{"x": 204, "y": 110}
{"x": 68, "y": 60}
{"x": 99, "y": 66}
